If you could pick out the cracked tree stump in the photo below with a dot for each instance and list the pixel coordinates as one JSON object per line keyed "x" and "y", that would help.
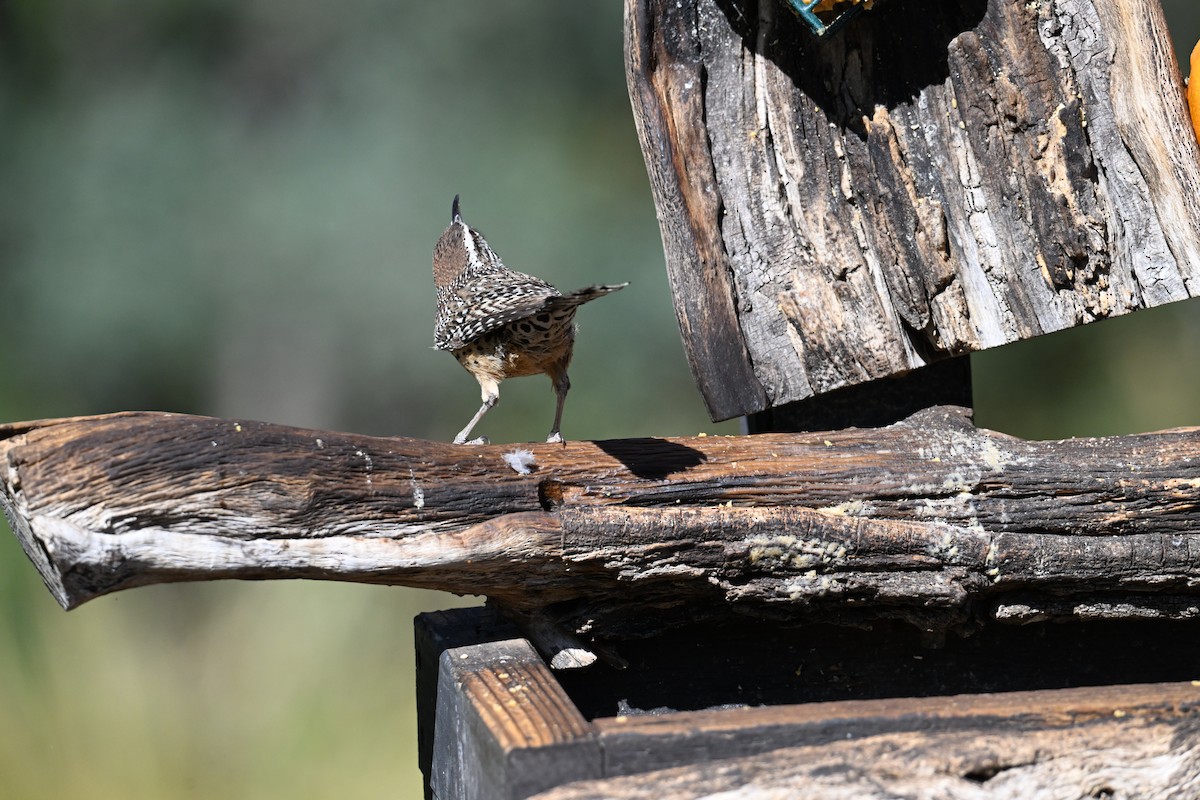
{"x": 935, "y": 179}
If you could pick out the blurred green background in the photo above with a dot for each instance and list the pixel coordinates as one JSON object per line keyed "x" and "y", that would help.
{"x": 227, "y": 207}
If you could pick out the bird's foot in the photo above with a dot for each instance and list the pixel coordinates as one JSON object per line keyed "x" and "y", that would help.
{"x": 554, "y": 438}
{"x": 476, "y": 440}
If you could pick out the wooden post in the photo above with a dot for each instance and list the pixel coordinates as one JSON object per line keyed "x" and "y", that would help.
{"x": 935, "y": 179}
{"x": 504, "y": 728}
{"x": 434, "y": 634}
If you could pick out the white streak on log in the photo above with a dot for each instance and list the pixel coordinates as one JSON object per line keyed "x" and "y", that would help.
{"x": 80, "y": 561}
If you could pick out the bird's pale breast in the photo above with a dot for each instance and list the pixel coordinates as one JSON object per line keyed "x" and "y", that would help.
{"x": 528, "y": 346}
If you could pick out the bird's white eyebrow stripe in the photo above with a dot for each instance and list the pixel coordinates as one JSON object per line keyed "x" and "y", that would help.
{"x": 472, "y": 251}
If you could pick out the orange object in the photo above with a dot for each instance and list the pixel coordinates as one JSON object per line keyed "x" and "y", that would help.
{"x": 1194, "y": 91}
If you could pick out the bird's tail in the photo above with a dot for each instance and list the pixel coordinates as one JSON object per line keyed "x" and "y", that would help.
{"x": 586, "y": 295}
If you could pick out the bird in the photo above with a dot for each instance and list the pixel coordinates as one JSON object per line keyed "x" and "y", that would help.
{"x": 500, "y": 323}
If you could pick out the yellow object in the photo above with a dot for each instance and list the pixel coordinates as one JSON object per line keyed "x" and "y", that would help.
{"x": 1194, "y": 91}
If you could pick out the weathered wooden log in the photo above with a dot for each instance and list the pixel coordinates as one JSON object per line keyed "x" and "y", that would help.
{"x": 937, "y": 178}
{"x": 930, "y": 520}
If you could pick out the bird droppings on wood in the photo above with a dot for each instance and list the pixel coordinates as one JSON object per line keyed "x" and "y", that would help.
{"x": 945, "y": 549}
{"x": 523, "y": 462}
{"x": 417, "y": 491}
{"x": 806, "y": 587}
{"x": 991, "y": 569}
{"x": 851, "y": 508}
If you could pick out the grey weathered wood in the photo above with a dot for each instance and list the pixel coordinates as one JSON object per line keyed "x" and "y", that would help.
{"x": 930, "y": 521}
{"x": 640, "y": 744}
{"x": 1126, "y": 741}
{"x": 504, "y": 728}
{"x": 938, "y": 178}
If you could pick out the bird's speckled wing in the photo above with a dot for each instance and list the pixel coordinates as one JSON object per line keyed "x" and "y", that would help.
{"x": 479, "y": 301}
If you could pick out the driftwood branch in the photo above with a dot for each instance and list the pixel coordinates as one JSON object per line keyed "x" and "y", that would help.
{"x": 930, "y": 520}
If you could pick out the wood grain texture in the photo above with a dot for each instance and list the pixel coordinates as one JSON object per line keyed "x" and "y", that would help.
{"x": 666, "y": 87}
{"x": 504, "y": 728}
{"x": 1149, "y": 762}
{"x": 433, "y": 634}
{"x": 639, "y": 744}
{"x": 1034, "y": 746}
{"x": 938, "y": 178}
{"x": 930, "y": 521}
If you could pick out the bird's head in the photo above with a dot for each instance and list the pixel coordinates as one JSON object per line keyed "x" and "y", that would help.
{"x": 458, "y": 248}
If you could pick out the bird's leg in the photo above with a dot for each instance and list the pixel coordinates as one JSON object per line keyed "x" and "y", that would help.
{"x": 491, "y": 395}
{"x": 562, "y": 385}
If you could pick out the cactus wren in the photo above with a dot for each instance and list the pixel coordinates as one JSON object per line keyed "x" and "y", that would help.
{"x": 499, "y": 323}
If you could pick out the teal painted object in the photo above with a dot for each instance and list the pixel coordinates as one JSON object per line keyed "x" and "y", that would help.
{"x": 821, "y": 27}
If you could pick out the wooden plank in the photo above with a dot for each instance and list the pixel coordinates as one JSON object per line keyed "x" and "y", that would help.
{"x": 638, "y": 744}
{"x": 433, "y": 634}
{"x": 1011, "y": 742}
{"x": 936, "y": 179}
{"x": 504, "y": 728}
{"x": 1111, "y": 743}
{"x": 669, "y": 115}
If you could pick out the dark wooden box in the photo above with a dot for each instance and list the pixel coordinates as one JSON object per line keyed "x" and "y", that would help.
{"x": 832, "y": 710}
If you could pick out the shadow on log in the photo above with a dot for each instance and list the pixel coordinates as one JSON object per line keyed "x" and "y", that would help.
{"x": 930, "y": 521}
